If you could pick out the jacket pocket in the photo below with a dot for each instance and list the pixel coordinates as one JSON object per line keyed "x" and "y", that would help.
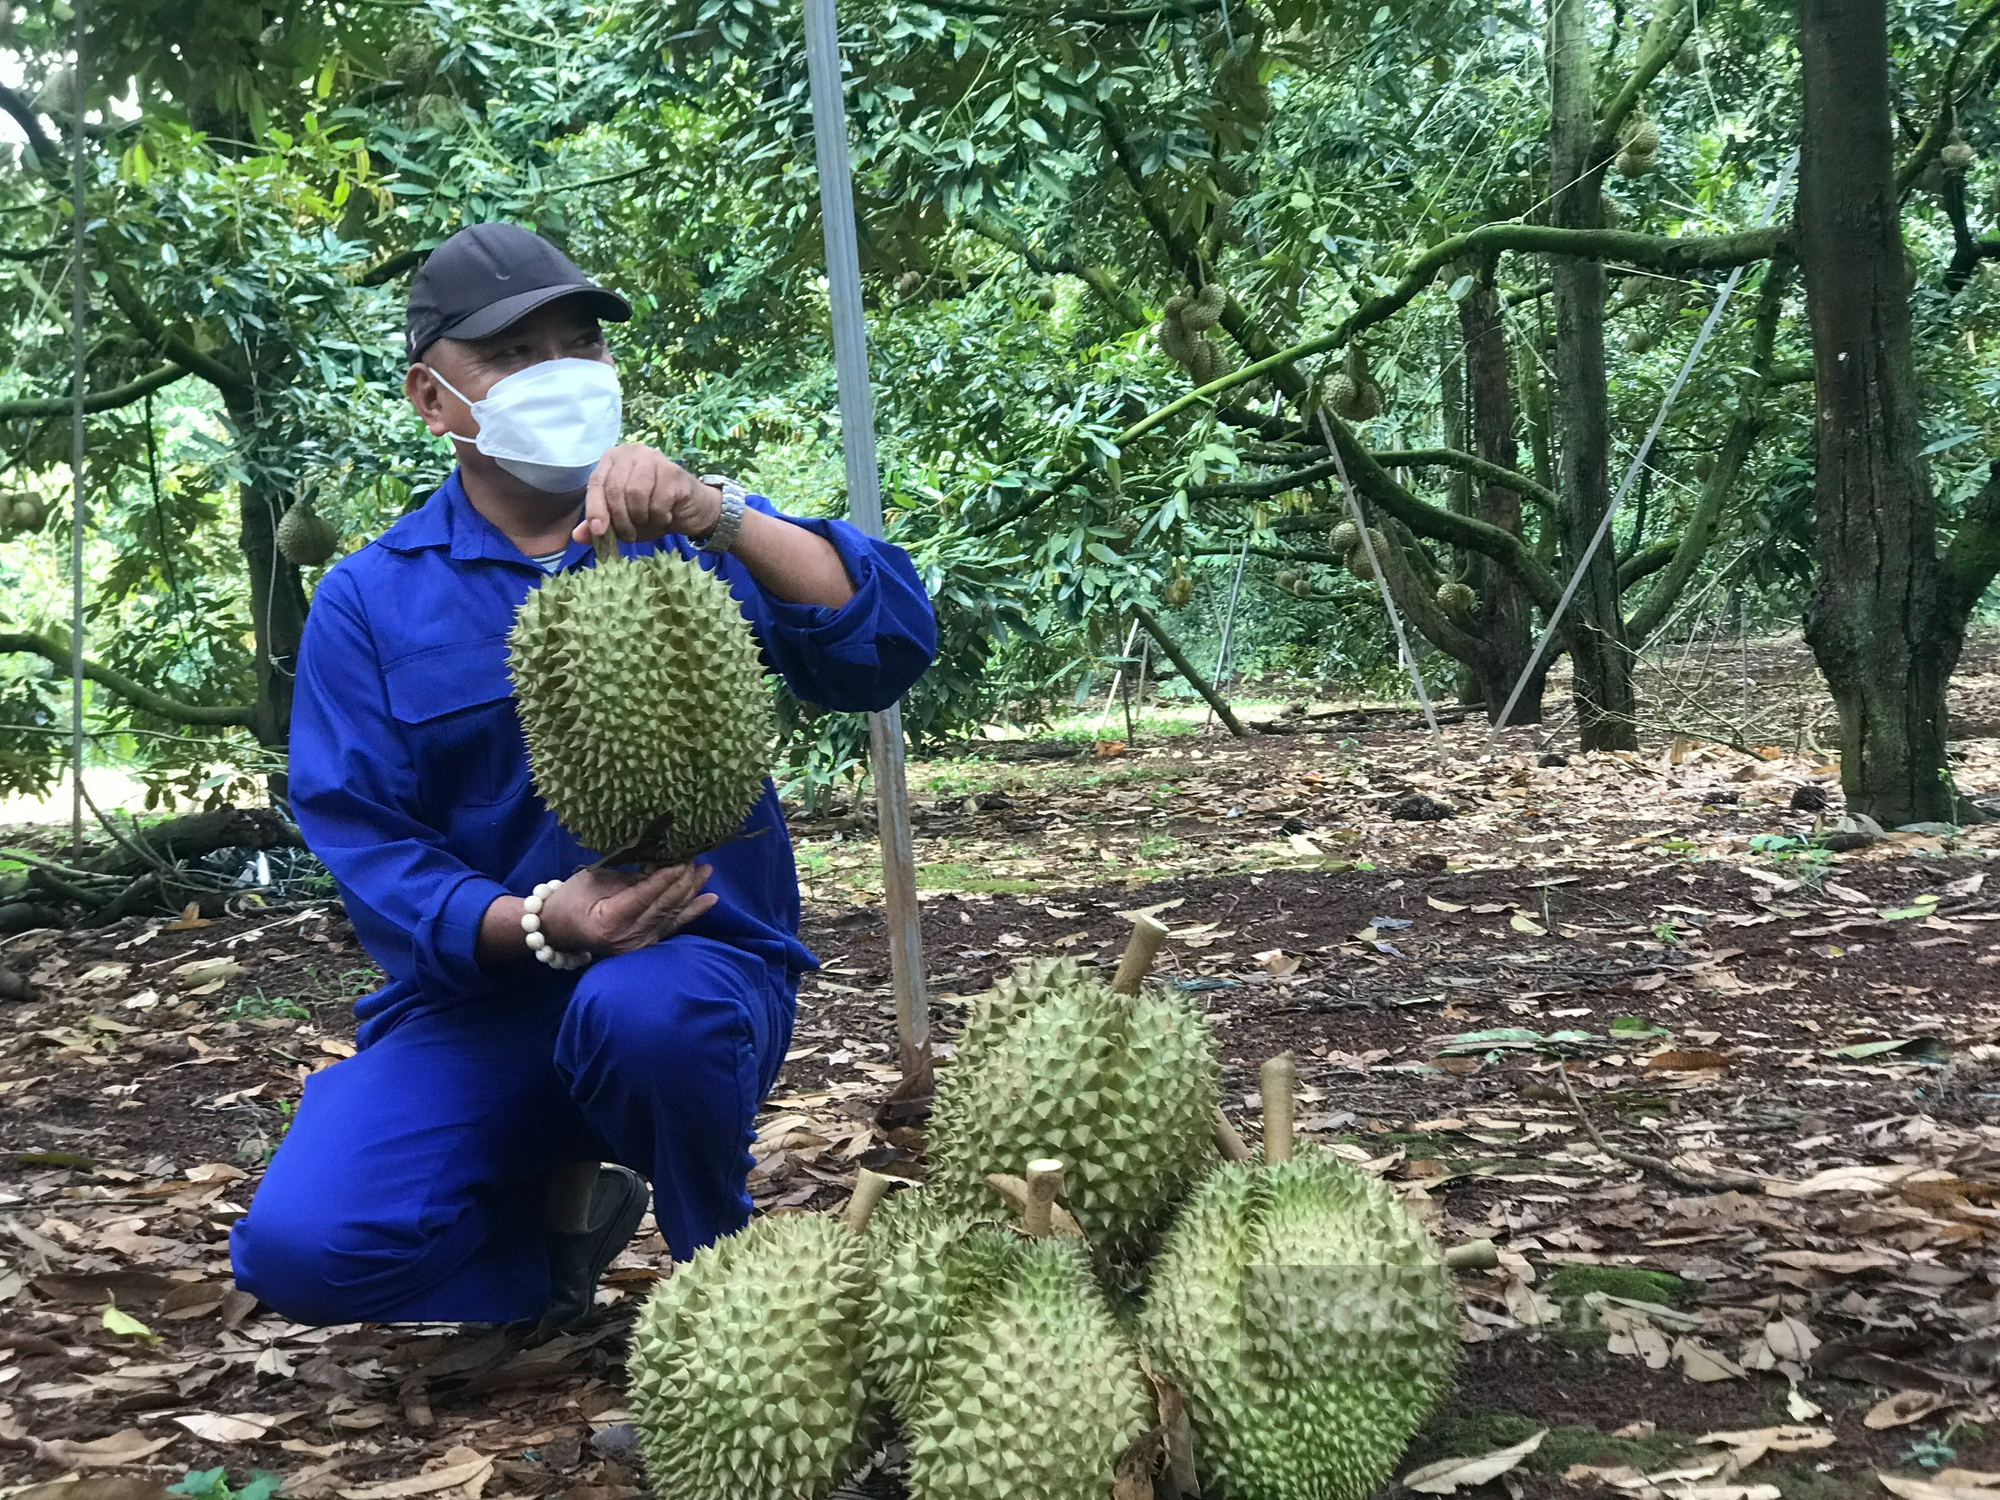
{"x": 456, "y": 704}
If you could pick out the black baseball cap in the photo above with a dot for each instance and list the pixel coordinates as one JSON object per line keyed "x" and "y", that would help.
{"x": 488, "y": 276}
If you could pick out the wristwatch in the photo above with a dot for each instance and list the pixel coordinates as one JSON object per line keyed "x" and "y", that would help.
{"x": 733, "y": 495}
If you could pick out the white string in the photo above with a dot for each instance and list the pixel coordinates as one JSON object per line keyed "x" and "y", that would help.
{"x": 1638, "y": 463}
{"x": 1382, "y": 581}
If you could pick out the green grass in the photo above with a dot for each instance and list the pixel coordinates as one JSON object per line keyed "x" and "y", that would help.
{"x": 963, "y": 877}
{"x": 1469, "y": 1436}
{"x": 1573, "y": 1283}
{"x": 260, "y": 1006}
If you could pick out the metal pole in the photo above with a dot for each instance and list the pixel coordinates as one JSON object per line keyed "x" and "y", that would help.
{"x": 79, "y": 309}
{"x": 1228, "y": 625}
{"x": 1638, "y": 462}
{"x": 864, "y": 508}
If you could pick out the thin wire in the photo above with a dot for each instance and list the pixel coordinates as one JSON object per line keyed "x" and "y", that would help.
{"x": 1228, "y": 624}
{"x": 1582, "y": 567}
{"x": 79, "y": 309}
{"x": 1382, "y": 581}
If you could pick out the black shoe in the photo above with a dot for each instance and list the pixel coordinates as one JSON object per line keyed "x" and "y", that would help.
{"x": 577, "y": 1258}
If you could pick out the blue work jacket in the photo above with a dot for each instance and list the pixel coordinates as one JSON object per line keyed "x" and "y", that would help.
{"x": 409, "y": 771}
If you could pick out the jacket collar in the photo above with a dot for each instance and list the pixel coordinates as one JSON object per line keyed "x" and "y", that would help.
{"x": 448, "y": 520}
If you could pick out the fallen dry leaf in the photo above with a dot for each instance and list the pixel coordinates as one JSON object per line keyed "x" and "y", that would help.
{"x": 1448, "y": 1475}
{"x": 1904, "y": 1408}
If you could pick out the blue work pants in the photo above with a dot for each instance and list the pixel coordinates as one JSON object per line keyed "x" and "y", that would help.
{"x": 412, "y": 1185}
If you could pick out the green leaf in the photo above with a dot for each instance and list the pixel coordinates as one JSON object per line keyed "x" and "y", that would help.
{"x": 1924, "y": 906}
{"x": 125, "y": 1325}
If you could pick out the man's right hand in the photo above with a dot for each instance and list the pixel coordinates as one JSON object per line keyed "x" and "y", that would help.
{"x": 610, "y": 911}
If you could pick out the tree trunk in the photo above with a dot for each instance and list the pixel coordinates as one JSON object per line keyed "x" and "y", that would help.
{"x": 278, "y": 614}
{"x": 1595, "y": 628}
{"x": 1877, "y": 621}
{"x": 1505, "y": 615}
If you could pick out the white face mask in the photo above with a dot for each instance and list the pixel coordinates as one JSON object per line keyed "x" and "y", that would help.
{"x": 549, "y": 424}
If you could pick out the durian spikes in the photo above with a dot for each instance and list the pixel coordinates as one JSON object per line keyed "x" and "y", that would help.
{"x": 1140, "y": 951}
{"x": 1044, "y": 1187}
{"x": 1278, "y": 1078}
{"x": 869, "y": 1190}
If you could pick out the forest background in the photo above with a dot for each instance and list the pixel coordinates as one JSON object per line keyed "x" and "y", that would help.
{"x": 1130, "y": 271}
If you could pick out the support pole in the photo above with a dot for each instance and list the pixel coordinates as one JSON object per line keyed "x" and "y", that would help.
{"x": 864, "y": 509}
{"x": 1229, "y": 624}
{"x": 79, "y": 309}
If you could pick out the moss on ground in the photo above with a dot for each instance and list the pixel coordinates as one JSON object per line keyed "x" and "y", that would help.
{"x": 1574, "y": 1282}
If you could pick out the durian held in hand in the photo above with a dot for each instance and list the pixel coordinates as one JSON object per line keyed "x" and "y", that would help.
{"x": 642, "y": 696}
{"x": 1303, "y": 1314}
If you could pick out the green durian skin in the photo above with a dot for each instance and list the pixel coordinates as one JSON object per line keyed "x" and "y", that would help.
{"x": 642, "y": 697}
{"x": 1120, "y": 1089}
{"x": 745, "y": 1379}
{"x": 1279, "y": 1414}
{"x": 1035, "y": 1396}
{"x": 930, "y": 1268}
{"x": 304, "y": 538}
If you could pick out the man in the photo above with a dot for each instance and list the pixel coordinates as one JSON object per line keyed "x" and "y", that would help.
{"x": 448, "y": 1171}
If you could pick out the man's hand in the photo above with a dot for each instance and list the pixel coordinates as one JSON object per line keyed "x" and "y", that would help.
{"x": 638, "y": 494}
{"x": 608, "y": 911}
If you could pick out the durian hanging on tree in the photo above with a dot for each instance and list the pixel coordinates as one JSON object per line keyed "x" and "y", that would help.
{"x": 1637, "y": 147}
{"x": 1304, "y": 1315}
{"x": 642, "y": 697}
{"x": 303, "y": 536}
{"x": 1353, "y": 393}
{"x": 1956, "y": 154}
{"x": 1183, "y": 329}
{"x": 1457, "y": 599}
{"x": 1178, "y": 589}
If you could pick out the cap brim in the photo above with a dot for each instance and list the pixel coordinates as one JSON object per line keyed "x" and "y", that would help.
{"x": 495, "y": 316}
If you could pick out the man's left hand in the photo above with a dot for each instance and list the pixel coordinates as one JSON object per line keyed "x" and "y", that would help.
{"x": 638, "y": 494}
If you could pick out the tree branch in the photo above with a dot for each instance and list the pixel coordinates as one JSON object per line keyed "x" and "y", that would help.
{"x": 1188, "y": 669}
{"x": 1973, "y": 559}
{"x": 137, "y": 694}
{"x": 1096, "y": 278}
{"x": 223, "y": 376}
{"x": 1744, "y": 429}
{"x": 1938, "y": 131}
{"x": 389, "y": 268}
{"x": 1469, "y": 463}
{"x": 1668, "y": 33}
{"x": 1646, "y": 562}
{"x": 39, "y": 141}
{"x": 118, "y": 395}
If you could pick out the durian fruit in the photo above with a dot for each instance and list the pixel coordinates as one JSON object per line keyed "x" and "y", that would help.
{"x": 1204, "y": 309}
{"x": 1210, "y": 361}
{"x": 1172, "y": 334}
{"x": 1956, "y": 155}
{"x": 1178, "y": 589}
{"x": 1457, "y": 599}
{"x": 909, "y": 284}
{"x": 21, "y": 513}
{"x": 303, "y": 536}
{"x": 642, "y": 696}
{"x": 1357, "y": 555}
{"x": 1641, "y": 143}
{"x": 1634, "y": 289}
{"x": 1118, "y": 1084}
{"x": 1640, "y": 341}
{"x": 1033, "y": 1392}
{"x": 1353, "y": 393}
{"x": 1687, "y": 61}
{"x": 1306, "y": 1318}
{"x": 746, "y": 1377}
{"x": 1287, "y": 580}
{"x": 1344, "y": 538}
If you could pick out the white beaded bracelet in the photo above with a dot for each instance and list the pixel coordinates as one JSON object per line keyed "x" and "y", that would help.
{"x": 531, "y": 924}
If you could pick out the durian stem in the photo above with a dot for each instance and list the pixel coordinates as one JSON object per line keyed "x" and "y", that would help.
{"x": 1044, "y": 1187}
{"x": 869, "y": 1190}
{"x": 605, "y": 545}
{"x": 1140, "y": 951}
{"x": 1232, "y": 1146}
{"x": 1280, "y": 1076}
{"x": 1473, "y": 1255}
{"x": 1015, "y": 1191}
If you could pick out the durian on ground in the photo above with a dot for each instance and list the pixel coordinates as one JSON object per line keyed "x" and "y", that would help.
{"x": 641, "y": 693}
{"x": 1120, "y": 1088}
{"x": 1002, "y": 1362}
{"x": 1305, "y": 1316}
{"x": 746, "y": 1373}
